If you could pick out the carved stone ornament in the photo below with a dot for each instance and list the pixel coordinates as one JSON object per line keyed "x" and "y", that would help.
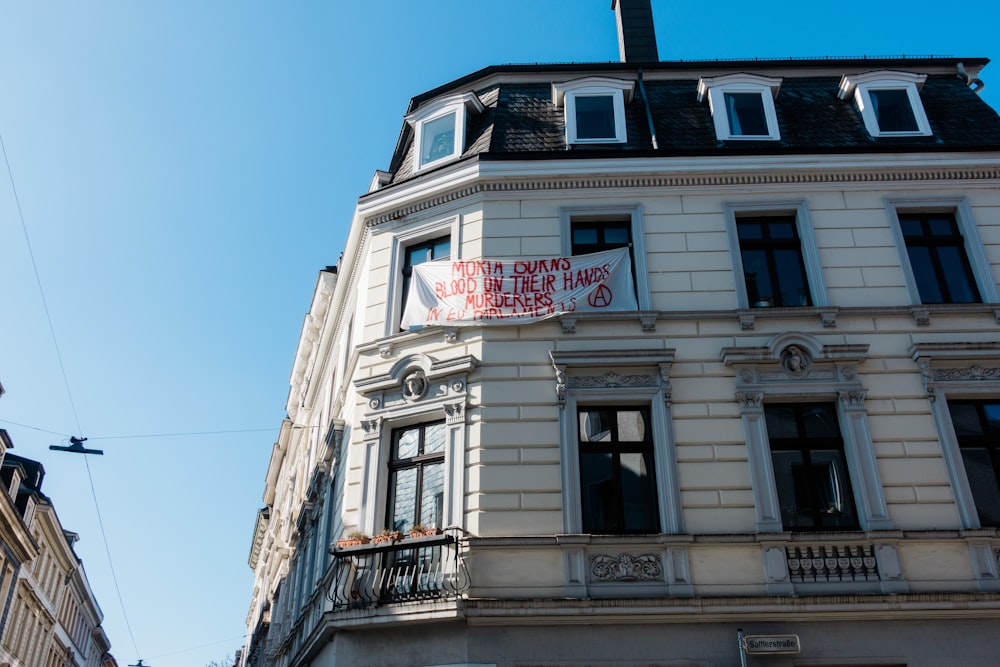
{"x": 750, "y": 401}
{"x": 854, "y": 398}
{"x": 795, "y": 361}
{"x": 974, "y": 373}
{"x": 626, "y": 567}
{"x": 414, "y": 385}
{"x": 612, "y": 380}
{"x": 454, "y": 413}
{"x": 372, "y": 428}
{"x": 375, "y": 403}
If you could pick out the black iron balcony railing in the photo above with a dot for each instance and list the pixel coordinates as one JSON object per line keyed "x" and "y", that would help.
{"x": 412, "y": 569}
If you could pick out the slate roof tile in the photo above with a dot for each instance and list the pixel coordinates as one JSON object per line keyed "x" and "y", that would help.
{"x": 520, "y": 120}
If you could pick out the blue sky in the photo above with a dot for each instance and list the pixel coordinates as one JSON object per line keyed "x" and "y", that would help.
{"x": 185, "y": 168}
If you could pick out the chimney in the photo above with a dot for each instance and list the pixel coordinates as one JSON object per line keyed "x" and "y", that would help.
{"x": 636, "y": 37}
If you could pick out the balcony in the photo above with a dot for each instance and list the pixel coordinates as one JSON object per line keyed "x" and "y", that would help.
{"x": 410, "y": 570}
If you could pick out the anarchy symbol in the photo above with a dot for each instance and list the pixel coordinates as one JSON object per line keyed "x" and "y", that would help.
{"x": 600, "y": 297}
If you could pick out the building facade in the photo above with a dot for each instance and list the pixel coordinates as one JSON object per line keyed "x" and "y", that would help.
{"x": 787, "y": 428}
{"x": 50, "y": 617}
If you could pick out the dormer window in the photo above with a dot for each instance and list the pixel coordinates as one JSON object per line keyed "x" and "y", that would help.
{"x": 595, "y": 109}
{"x": 742, "y": 106}
{"x": 439, "y": 129}
{"x": 889, "y": 102}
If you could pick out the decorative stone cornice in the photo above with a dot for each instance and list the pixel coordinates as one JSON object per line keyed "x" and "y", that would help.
{"x": 694, "y": 180}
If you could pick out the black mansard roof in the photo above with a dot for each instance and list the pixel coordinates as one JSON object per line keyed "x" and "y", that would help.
{"x": 519, "y": 120}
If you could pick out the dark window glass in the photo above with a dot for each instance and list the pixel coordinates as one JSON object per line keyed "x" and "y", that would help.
{"x": 416, "y": 477}
{"x": 937, "y": 256}
{"x": 587, "y": 236}
{"x": 977, "y": 427}
{"x": 439, "y": 248}
{"x": 893, "y": 111}
{"x": 595, "y": 117}
{"x": 746, "y": 114}
{"x": 617, "y": 480}
{"x": 810, "y": 471}
{"x": 773, "y": 269}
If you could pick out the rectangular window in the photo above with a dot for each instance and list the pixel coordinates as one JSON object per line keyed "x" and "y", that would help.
{"x": 589, "y": 235}
{"x": 437, "y": 138}
{"x": 893, "y": 111}
{"x": 937, "y": 256}
{"x": 416, "y": 477}
{"x": 977, "y": 428}
{"x": 810, "y": 471}
{"x": 773, "y": 269}
{"x": 595, "y": 117}
{"x": 746, "y": 114}
{"x": 617, "y": 487}
{"x": 418, "y": 253}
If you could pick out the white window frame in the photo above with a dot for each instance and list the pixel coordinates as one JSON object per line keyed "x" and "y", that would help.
{"x": 446, "y": 398}
{"x": 565, "y": 94}
{"x": 955, "y": 371}
{"x": 461, "y": 105}
{"x": 807, "y": 241}
{"x": 400, "y": 242}
{"x": 591, "y": 378}
{"x": 860, "y": 86}
{"x": 634, "y": 213}
{"x": 715, "y": 89}
{"x": 974, "y": 251}
{"x": 830, "y": 374}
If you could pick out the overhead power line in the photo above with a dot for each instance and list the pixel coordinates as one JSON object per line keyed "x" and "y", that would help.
{"x": 69, "y": 393}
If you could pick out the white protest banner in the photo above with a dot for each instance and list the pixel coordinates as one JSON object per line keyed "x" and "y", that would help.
{"x": 516, "y": 291}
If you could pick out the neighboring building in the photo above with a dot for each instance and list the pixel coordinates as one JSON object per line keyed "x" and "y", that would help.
{"x": 792, "y": 427}
{"x": 50, "y": 617}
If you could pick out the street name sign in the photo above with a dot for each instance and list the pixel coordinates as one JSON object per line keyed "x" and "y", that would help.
{"x": 771, "y": 644}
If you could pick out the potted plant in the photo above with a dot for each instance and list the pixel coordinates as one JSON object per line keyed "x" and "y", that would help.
{"x": 354, "y": 539}
{"x": 387, "y": 535}
{"x": 424, "y": 531}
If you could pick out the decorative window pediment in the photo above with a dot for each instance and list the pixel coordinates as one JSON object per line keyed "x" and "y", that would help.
{"x": 889, "y": 102}
{"x": 439, "y": 129}
{"x": 595, "y": 109}
{"x": 742, "y": 105}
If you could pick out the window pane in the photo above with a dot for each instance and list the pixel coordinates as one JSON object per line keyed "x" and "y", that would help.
{"x": 403, "y": 498}
{"x": 437, "y": 138}
{"x": 992, "y": 411}
{"x": 434, "y": 438}
{"x": 791, "y": 487}
{"x": 595, "y": 425}
{"x": 780, "y": 421}
{"x": 893, "y": 110}
{"x": 639, "y": 493}
{"x": 746, "y": 114}
{"x": 616, "y": 236}
{"x": 965, "y": 419}
{"x": 595, "y": 117}
{"x": 957, "y": 276}
{"x": 407, "y": 444}
{"x": 791, "y": 278}
{"x": 584, "y": 235}
{"x": 758, "y": 278}
{"x": 749, "y": 230}
{"x": 832, "y": 490}
{"x": 782, "y": 230}
{"x": 942, "y": 227}
{"x": 923, "y": 272}
{"x": 819, "y": 421}
{"x": 597, "y": 492}
{"x": 911, "y": 227}
{"x": 983, "y": 480}
{"x": 432, "y": 496}
{"x": 631, "y": 426}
